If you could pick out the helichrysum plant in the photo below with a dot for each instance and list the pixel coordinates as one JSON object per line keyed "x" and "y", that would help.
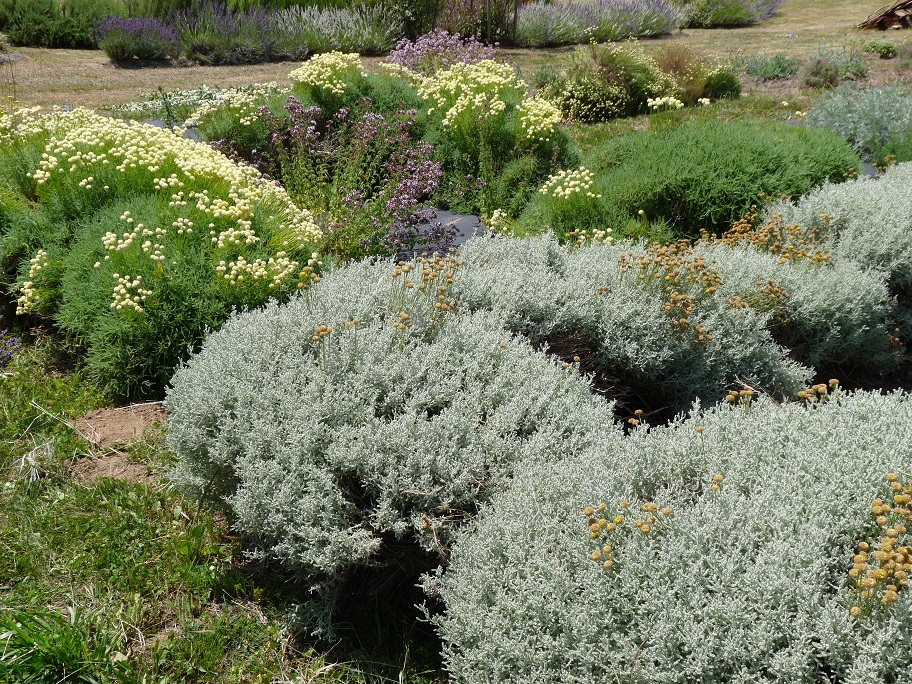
{"x": 749, "y": 579}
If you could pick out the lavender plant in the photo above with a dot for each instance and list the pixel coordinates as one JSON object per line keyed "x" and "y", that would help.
{"x": 439, "y": 50}
{"x": 541, "y": 24}
{"x": 718, "y": 13}
{"x": 124, "y": 39}
{"x": 9, "y": 345}
{"x": 366, "y": 29}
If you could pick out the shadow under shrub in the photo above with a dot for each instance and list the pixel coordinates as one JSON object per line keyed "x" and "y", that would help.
{"x": 714, "y": 591}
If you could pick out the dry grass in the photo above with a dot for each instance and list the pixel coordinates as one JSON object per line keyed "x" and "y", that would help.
{"x": 87, "y": 77}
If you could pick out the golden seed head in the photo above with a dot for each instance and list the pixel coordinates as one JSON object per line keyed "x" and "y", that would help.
{"x": 588, "y": 511}
{"x": 596, "y": 555}
{"x": 855, "y": 611}
{"x": 718, "y": 478}
{"x": 700, "y": 430}
{"x": 608, "y": 564}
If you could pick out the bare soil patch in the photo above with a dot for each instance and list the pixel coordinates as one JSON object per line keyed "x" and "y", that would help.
{"x": 105, "y": 428}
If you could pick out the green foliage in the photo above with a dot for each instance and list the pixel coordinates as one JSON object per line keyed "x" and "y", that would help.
{"x": 765, "y": 67}
{"x": 720, "y": 594}
{"x": 696, "y": 77}
{"x": 610, "y": 81}
{"x": 135, "y": 253}
{"x": 704, "y": 174}
{"x": 882, "y": 48}
{"x": 47, "y": 23}
{"x": 722, "y": 83}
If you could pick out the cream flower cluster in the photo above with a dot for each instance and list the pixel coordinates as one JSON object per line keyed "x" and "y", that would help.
{"x": 496, "y": 222}
{"x": 328, "y": 71}
{"x": 704, "y": 102}
{"x": 538, "y": 118}
{"x": 571, "y": 182}
{"x": 242, "y": 102}
{"x": 129, "y": 293}
{"x": 29, "y": 297}
{"x": 278, "y": 270}
{"x": 667, "y": 102}
{"x": 82, "y": 141}
{"x": 19, "y": 122}
{"x": 476, "y": 90}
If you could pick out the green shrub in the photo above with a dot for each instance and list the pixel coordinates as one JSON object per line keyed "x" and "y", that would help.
{"x": 704, "y": 174}
{"x": 717, "y": 13}
{"x": 765, "y": 67}
{"x": 869, "y": 119}
{"x": 135, "y": 241}
{"x": 47, "y": 23}
{"x": 882, "y": 48}
{"x": 820, "y": 71}
{"x": 747, "y": 583}
{"x": 610, "y": 81}
{"x": 363, "y": 417}
{"x": 722, "y": 83}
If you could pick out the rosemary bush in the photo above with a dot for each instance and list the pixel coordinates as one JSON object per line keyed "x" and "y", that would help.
{"x": 705, "y": 174}
{"x": 363, "y": 413}
{"x": 746, "y": 580}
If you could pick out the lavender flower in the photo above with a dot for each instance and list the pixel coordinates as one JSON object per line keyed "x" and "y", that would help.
{"x": 540, "y": 23}
{"x": 9, "y": 345}
{"x": 439, "y": 50}
{"x": 141, "y": 38}
{"x": 368, "y": 30}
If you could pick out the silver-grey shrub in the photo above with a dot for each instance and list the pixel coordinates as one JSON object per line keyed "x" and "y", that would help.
{"x": 367, "y": 30}
{"x": 867, "y": 221}
{"x": 868, "y": 119}
{"x": 323, "y": 449}
{"x": 538, "y": 288}
{"x": 748, "y": 584}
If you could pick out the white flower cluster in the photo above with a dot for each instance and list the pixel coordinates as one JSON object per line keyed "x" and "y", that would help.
{"x": 475, "y": 90}
{"x": 279, "y": 269}
{"x": 538, "y": 118}
{"x": 571, "y": 182}
{"x": 667, "y": 102}
{"x": 328, "y": 71}
{"x": 129, "y": 293}
{"x": 496, "y": 222}
{"x": 83, "y": 140}
{"x": 243, "y": 102}
{"x": 19, "y": 122}
{"x": 29, "y": 297}
{"x": 704, "y": 101}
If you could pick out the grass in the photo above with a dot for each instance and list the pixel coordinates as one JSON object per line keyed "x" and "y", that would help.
{"x": 112, "y": 580}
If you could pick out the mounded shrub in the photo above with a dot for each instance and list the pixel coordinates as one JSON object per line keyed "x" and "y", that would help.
{"x": 866, "y": 221}
{"x": 719, "y": 13}
{"x": 820, "y": 71}
{"x": 748, "y": 579}
{"x": 871, "y": 120}
{"x": 143, "y": 39}
{"x": 135, "y": 240}
{"x": 704, "y": 174}
{"x": 718, "y": 318}
{"x": 362, "y": 414}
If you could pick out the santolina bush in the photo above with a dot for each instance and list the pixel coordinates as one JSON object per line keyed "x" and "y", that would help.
{"x": 866, "y": 221}
{"x": 702, "y": 175}
{"x": 746, "y": 579}
{"x": 135, "y": 240}
{"x": 364, "y": 412}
